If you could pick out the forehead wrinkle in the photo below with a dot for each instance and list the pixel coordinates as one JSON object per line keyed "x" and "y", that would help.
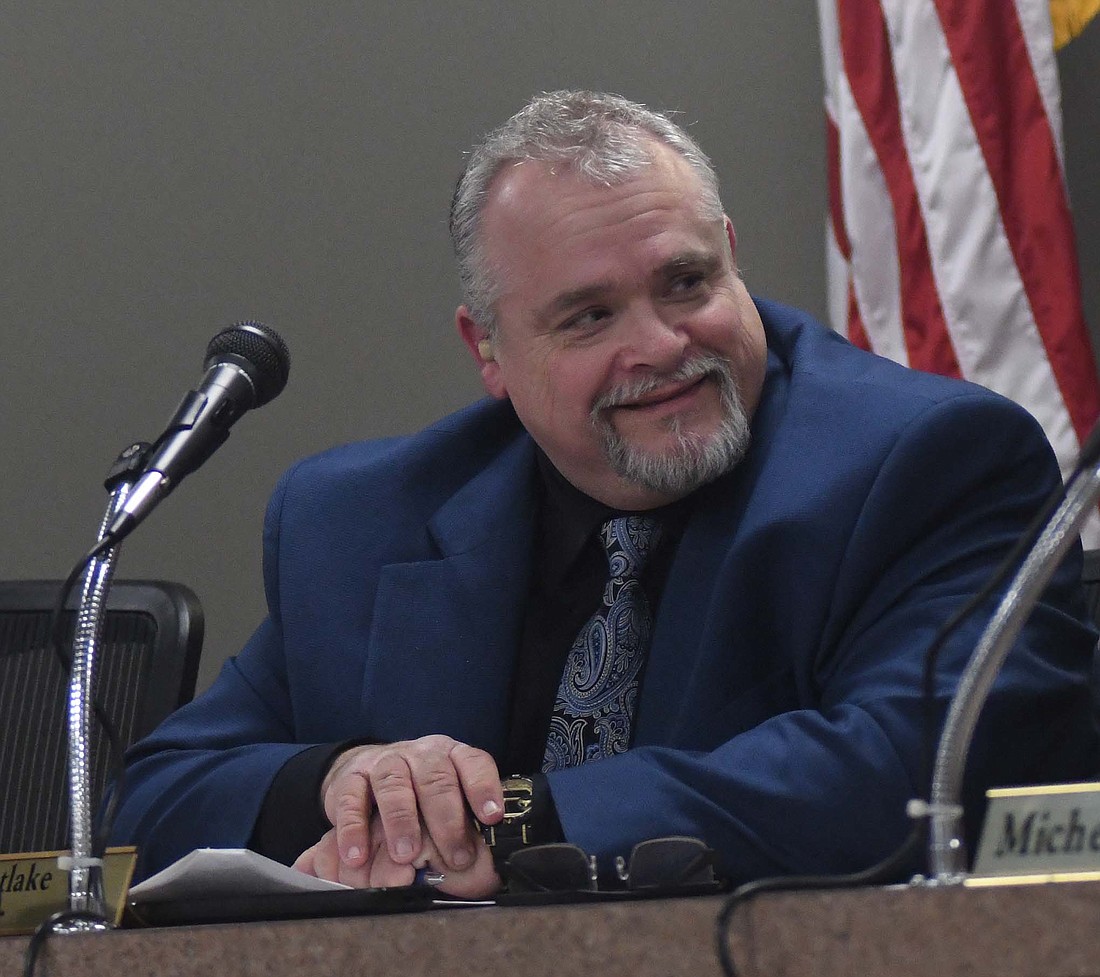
{"x": 508, "y": 227}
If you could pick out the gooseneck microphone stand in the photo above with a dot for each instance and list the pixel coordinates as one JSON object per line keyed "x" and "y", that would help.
{"x": 947, "y": 849}
{"x": 87, "y": 902}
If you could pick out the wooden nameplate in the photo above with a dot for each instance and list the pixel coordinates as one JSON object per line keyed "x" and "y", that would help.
{"x": 33, "y": 887}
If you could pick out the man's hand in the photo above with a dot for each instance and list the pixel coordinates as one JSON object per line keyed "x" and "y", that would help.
{"x": 416, "y": 787}
{"x": 478, "y": 881}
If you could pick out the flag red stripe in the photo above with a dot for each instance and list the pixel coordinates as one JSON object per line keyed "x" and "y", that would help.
{"x": 857, "y": 335}
{"x": 866, "y": 54}
{"x": 836, "y": 201}
{"x": 998, "y": 82}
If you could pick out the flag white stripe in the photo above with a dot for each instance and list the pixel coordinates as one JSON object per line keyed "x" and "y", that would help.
{"x": 837, "y": 270}
{"x": 868, "y": 214}
{"x": 1039, "y": 37}
{"x": 869, "y": 218}
{"x": 983, "y": 297}
{"x": 837, "y": 277}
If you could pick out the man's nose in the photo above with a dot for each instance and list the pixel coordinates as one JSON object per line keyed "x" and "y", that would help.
{"x": 653, "y": 340}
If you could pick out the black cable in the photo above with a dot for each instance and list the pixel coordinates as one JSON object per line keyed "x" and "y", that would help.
{"x": 45, "y": 930}
{"x": 56, "y": 629}
{"x": 881, "y": 871}
{"x": 888, "y": 868}
{"x": 1008, "y": 565}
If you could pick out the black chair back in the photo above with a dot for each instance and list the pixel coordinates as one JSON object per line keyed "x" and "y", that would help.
{"x": 147, "y": 666}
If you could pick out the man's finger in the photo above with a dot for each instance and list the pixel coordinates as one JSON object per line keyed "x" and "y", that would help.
{"x": 347, "y": 804}
{"x": 304, "y": 862}
{"x": 480, "y": 780}
{"x": 386, "y": 873}
{"x": 395, "y": 799}
{"x": 321, "y": 860}
{"x": 442, "y": 802}
{"x": 357, "y": 876}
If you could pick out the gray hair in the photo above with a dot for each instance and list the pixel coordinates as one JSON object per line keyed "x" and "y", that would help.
{"x": 602, "y": 137}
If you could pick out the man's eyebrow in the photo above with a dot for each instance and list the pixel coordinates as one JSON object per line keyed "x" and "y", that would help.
{"x": 705, "y": 261}
{"x": 564, "y": 301}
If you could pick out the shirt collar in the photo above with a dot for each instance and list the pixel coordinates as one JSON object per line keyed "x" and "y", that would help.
{"x": 570, "y": 519}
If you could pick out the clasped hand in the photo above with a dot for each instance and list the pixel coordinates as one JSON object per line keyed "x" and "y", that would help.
{"x": 399, "y": 807}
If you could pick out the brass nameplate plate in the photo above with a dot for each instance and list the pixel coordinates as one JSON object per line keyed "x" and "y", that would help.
{"x": 1049, "y": 833}
{"x": 33, "y": 888}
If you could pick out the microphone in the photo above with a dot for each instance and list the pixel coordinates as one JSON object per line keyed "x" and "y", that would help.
{"x": 246, "y": 366}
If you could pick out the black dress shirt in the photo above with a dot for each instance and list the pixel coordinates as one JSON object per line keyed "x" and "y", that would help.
{"x": 570, "y": 574}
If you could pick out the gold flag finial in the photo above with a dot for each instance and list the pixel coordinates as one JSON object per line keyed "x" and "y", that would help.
{"x": 1070, "y": 17}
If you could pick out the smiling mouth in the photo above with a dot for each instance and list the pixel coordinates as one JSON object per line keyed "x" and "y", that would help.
{"x": 667, "y": 397}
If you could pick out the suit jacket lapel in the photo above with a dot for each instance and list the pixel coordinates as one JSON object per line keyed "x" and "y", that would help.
{"x": 443, "y": 643}
{"x": 683, "y": 646}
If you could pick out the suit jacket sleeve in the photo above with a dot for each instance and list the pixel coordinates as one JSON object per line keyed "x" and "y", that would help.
{"x": 381, "y": 589}
{"x": 200, "y": 778}
{"x": 804, "y": 764}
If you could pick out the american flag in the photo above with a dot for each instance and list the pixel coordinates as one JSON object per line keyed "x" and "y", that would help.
{"x": 951, "y": 247}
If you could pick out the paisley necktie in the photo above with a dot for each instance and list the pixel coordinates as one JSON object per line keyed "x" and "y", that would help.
{"x": 594, "y": 711}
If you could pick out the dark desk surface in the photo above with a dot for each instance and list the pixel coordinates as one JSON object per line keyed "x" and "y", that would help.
{"x": 1032, "y": 931}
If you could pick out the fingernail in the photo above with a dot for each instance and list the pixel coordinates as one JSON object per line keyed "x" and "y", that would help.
{"x": 490, "y": 808}
{"x": 461, "y": 857}
{"x": 354, "y": 853}
{"x": 403, "y": 848}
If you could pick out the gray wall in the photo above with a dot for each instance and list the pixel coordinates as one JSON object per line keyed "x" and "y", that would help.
{"x": 169, "y": 169}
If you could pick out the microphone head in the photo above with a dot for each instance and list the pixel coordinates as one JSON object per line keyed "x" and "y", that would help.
{"x": 258, "y": 350}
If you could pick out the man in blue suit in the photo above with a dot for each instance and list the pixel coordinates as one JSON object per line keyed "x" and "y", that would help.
{"x": 817, "y": 514}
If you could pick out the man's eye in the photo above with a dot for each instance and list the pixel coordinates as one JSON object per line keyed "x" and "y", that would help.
{"x": 587, "y": 320}
{"x": 687, "y": 284}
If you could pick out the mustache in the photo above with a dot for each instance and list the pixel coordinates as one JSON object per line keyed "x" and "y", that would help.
{"x": 695, "y": 368}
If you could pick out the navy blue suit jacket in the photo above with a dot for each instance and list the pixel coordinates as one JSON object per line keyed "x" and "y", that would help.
{"x": 779, "y": 716}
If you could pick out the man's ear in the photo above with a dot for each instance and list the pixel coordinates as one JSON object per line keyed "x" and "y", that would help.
{"x": 731, "y": 235}
{"x": 480, "y": 346}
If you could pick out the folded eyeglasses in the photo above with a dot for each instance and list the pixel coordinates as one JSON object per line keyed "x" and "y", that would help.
{"x": 673, "y": 865}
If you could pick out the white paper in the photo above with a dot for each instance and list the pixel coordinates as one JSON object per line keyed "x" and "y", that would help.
{"x": 211, "y": 872}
